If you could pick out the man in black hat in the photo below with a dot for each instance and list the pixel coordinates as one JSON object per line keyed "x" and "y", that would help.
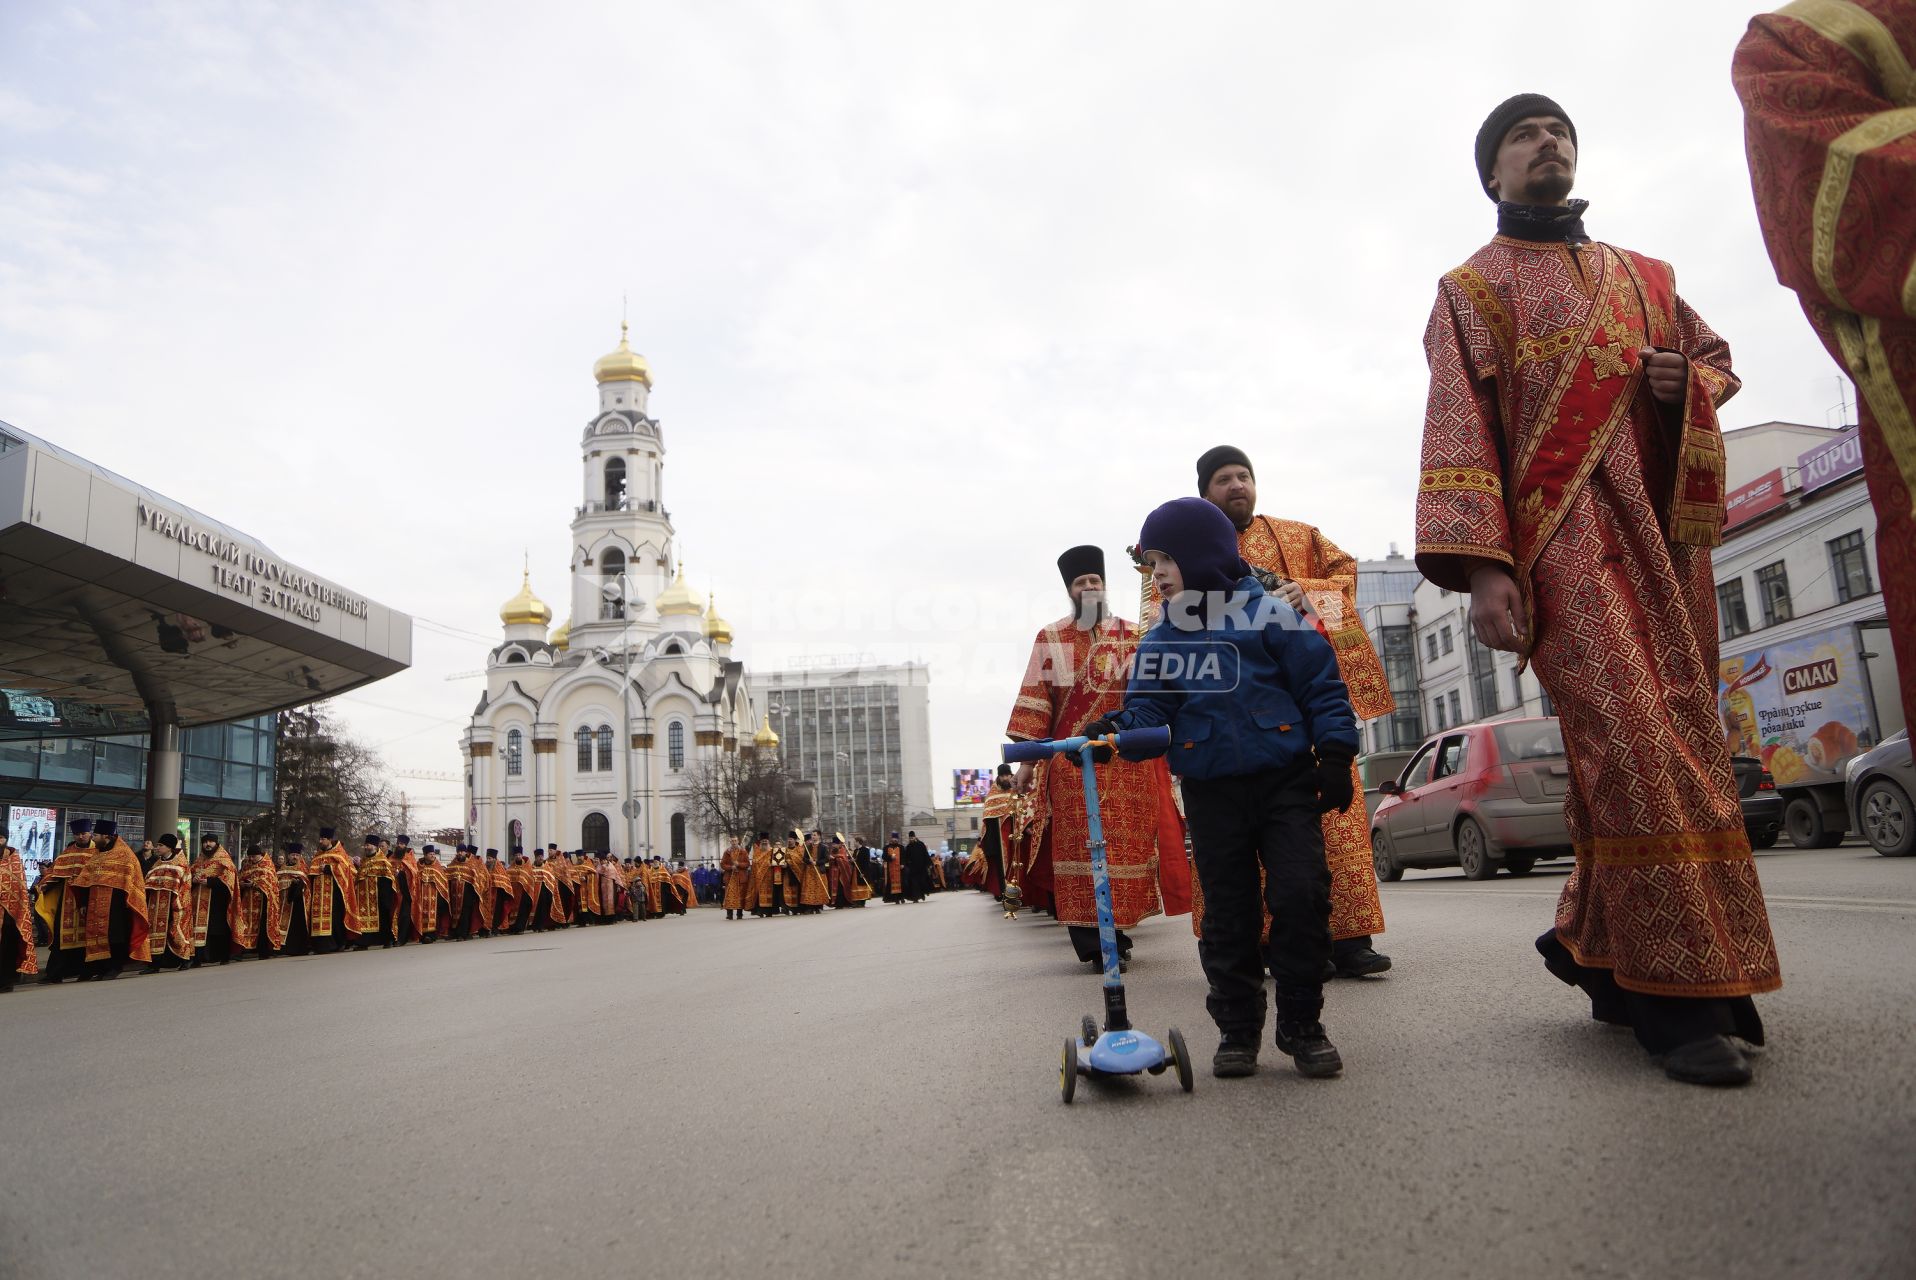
{"x": 1572, "y": 483}
{"x": 1077, "y": 673}
{"x": 1312, "y": 574}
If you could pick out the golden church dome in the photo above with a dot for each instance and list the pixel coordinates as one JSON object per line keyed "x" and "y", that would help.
{"x": 677, "y": 600}
{"x": 623, "y": 364}
{"x": 526, "y": 609}
{"x": 765, "y": 739}
{"x": 563, "y": 636}
{"x": 717, "y": 629}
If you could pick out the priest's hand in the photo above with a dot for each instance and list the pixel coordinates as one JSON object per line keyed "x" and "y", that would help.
{"x": 1021, "y": 780}
{"x": 1496, "y": 608}
{"x": 1293, "y": 595}
{"x": 1667, "y": 372}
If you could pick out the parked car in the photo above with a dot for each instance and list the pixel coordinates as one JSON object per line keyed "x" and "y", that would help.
{"x": 1762, "y": 806}
{"x": 1877, "y": 788}
{"x": 1479, "y": 797}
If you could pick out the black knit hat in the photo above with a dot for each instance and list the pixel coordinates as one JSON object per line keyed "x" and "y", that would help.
{"x": 1078, "y": 561}
{"x": 1215, "y": 460}
{"x": 1499, "y": 122}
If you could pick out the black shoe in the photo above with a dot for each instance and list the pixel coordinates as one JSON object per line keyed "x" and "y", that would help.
{"x": 1309, "y": 1048}
{"x": 1360, "y": 963}
{"x": 1236, "y": 1056}
{"x": 1714, "y": 1061}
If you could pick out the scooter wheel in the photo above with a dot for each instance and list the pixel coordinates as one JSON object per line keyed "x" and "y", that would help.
{"x": 1180, "y": 1058}
{"x": 1089, "y": 1030}
{"x": 1068, "y": 1072}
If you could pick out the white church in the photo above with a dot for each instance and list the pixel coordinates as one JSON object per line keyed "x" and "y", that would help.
{"x": 585, "y": 736}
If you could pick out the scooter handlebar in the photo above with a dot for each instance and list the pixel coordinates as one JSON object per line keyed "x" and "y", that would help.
{"x": 1132, "y": 744}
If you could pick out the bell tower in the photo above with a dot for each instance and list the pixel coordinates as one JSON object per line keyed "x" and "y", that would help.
{"x": 621, "y": 526}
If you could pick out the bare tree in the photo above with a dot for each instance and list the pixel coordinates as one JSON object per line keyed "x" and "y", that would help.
{"x": 878, "y": 813}
{"x": 323, "y": 779}
{"x": 739, "y": 793}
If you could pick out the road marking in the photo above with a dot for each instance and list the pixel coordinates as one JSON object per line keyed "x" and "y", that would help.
{"x": 1884, "y": 906}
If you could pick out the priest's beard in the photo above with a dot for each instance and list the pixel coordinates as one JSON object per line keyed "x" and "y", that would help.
{"x": 1548, "y": 188}
{"x": 1087, "y": 611}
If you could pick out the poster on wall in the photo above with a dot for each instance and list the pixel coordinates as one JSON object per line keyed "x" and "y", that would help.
{"x": 1802, "y": 706}
{"x": 35, "y": 833}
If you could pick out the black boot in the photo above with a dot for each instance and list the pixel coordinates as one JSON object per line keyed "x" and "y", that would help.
{"x": 1236, "y": 1055}
{"x": 1354, "y": 958}
{"x": 1301, "y": 1035}
{"x": 1714, "y": 1061}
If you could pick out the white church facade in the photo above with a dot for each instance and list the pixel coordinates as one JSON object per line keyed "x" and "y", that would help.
{"x": 586, "y": 736}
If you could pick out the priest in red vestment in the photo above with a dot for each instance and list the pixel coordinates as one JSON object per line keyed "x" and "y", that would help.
{"x": 1077, "y": 673}
{"x": 63, "y": 909}
{"x": 259, "y": 926}
{"x": 169, "y": 910}
{"x": 16, "y": 918}
{"x": 1827, "y": 100}
{"x": 1572, "y": 482}
{"x": 215, "y": 903}
{"x": 114, "y": 890}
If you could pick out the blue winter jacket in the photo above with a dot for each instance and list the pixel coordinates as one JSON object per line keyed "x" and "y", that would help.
{"x": 1256, "y": 690}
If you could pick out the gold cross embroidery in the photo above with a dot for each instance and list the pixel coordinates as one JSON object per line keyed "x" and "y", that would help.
{"x": 1608, "y": 361}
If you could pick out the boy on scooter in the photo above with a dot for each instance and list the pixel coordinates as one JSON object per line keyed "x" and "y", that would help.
{"x": 1263, "y": 736}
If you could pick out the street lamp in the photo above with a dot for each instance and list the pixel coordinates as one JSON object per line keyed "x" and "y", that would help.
{"x": 619, "y": 591}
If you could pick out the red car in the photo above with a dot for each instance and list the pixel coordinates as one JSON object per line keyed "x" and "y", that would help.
{"x": 1480, "y": 797}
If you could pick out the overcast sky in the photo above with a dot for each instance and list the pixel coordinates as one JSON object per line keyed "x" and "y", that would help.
{"x": 929, "y": 292}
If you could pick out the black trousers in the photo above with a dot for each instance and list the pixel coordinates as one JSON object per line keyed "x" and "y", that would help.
{"x": 13, "y": 951}
{"x": 1237, "y": 824}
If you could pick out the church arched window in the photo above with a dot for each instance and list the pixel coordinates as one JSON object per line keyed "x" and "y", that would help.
{"x": 515, "y": 753}
{"x": 605, "y": 748}
{"x": 675, "y": 745}
{"x": 615, "y": 484}
{"x": 612, "y": 593}
{"x": 595, "y": 834}
{"x": 678, "y": 837}
{"x": 584, "y": 738}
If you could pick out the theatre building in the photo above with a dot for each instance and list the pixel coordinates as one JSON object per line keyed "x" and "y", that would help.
{"x": 145, "y": 649}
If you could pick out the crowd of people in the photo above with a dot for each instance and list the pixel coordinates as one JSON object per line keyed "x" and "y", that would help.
{"x": 100, "y": 906}
{"x": 808, "y": 873}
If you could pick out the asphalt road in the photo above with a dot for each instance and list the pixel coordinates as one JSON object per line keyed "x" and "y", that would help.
{"x": 874, "y": 1093}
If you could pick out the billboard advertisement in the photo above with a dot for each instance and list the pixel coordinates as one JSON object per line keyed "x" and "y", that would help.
{"x": 971, "y": 786}
{"x": 35, "y": 833}
{"x": 1748, "y": 501}
{"x": 1828, "y": 463}
{"x": 1802, "y": 706}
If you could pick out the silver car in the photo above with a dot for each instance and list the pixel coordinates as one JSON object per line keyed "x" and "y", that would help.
{"x": 1878, "y": 785}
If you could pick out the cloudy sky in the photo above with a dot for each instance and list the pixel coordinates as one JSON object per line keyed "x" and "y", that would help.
{"x": 929, "y": 292}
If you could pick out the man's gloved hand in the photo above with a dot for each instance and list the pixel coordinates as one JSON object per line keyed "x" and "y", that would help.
{"x": 1334, "y": 789}
{"x": 1100, "y": 727}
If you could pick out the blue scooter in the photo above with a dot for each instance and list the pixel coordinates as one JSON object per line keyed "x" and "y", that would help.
{"x": 1118, "y": 1050}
